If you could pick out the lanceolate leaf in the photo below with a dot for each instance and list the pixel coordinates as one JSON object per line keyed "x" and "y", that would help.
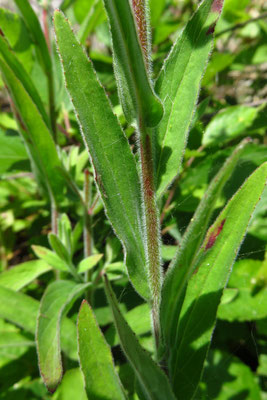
{"x": 218, "y": 252}
{"x": 101, "y": 379}
{"x": 22, "y": 310}
{"x": 114, "y": 165}
{"x": 58, "y": 296}
{"x": 15, "y": 31}
{"x": 24, "y": 78}
{"x": 21, "y": 275}
{"x": 36, "y": 136}
{"x": 34, "y": 27}
{"x": 183, "y": 265}
{"x": 153, "y": 382}
{"x": 136, "y": 94}
{"x": 178, "y": 86}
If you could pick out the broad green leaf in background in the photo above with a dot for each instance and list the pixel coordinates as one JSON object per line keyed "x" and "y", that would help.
{"x": 21, "y": 275}
{"x": 33, "y": 24}
{"x": 258, "y": 225}
{"x": 72, "y": 386}
{"x": 139, "y": 321}
{"x": 95, "y": 16}
{"x": 14, "y": 339}
{"x": 38, "y": 135}
{"x": 22, "y": 310}
{"x": 14, "y": 29}
{"x": 81, "y": 8}
{"x": 178, "y": 86}
{"x": 156, "y": 9}
{"x": 115, "y": 169}
{"x": 57, "y": 299}
{"x": 134, "y": 86}
{"x": 24, "y": 78}
{"x": 251, "y": 302}
{"x": 229, "y": 124}
{"x": 205, "y": 288}
{"x": 18, "y": 308}
{"x": 226, "y": 377}
{"x": 101, "y": 379}
{"x": 13, "y": 152}
{"x": 153, "y": 381}
{"x": 182, "y": 265}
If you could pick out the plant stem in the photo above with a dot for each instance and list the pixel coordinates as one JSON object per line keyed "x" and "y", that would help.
{"x": 242, "y": 24}
{"x": 87, "y": 234}
{"x": 54, "y": 226}
{"x": 152, "y": 230}
{"x": 49, "y": 74}
{"x": 140, "y": 13}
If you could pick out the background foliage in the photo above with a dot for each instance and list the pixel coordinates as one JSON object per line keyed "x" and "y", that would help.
{"x": 231, "y": 106}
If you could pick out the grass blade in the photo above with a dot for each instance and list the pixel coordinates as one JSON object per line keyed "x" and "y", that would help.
{"x": 114, "y": 165}
{"x": 101, "y": 379}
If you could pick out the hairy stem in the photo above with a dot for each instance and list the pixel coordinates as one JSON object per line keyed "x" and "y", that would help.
{"x": 140, "y": 13}
{"x": 151, "y": 226}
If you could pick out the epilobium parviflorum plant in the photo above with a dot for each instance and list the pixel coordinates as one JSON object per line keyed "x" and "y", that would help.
{"x": 135, "y": 141}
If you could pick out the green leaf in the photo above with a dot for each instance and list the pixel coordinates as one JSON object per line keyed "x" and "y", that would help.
{"x": 13, "y": 152}
{"x": 72, "y": 386}
{"x": 15, "y": 31}
{"x": 89, "y": 263}
{"x": 14, "y": 339}
{"x": 101, "y": 379}
{"x": 226, "y": 377}
{"x": 258, "y": 225}
{"x": 139, "y": 321}
{"x": 35, "y": 29}
{"x": 134, "y": 85}
{"x": 58, "y": 297}
{"x": 153, "y": 382}
{"x": 95, "y": 16}
{"x": 37, "y": 136}
{"x": 229, "y": 124}
{"x": 114, "y": 165}
{"x": 251, "y": 302}
{"x": 182, "y": 266}
{"x": 21, "y": 275}
{"x": 22, "y": 310}
{"x": 178, "y": 86}
{"x": 216, "y": 256}
{"x": 64, "y": 254}
{"x": 24, "y": 78}
{"x": 49, "y": 257}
